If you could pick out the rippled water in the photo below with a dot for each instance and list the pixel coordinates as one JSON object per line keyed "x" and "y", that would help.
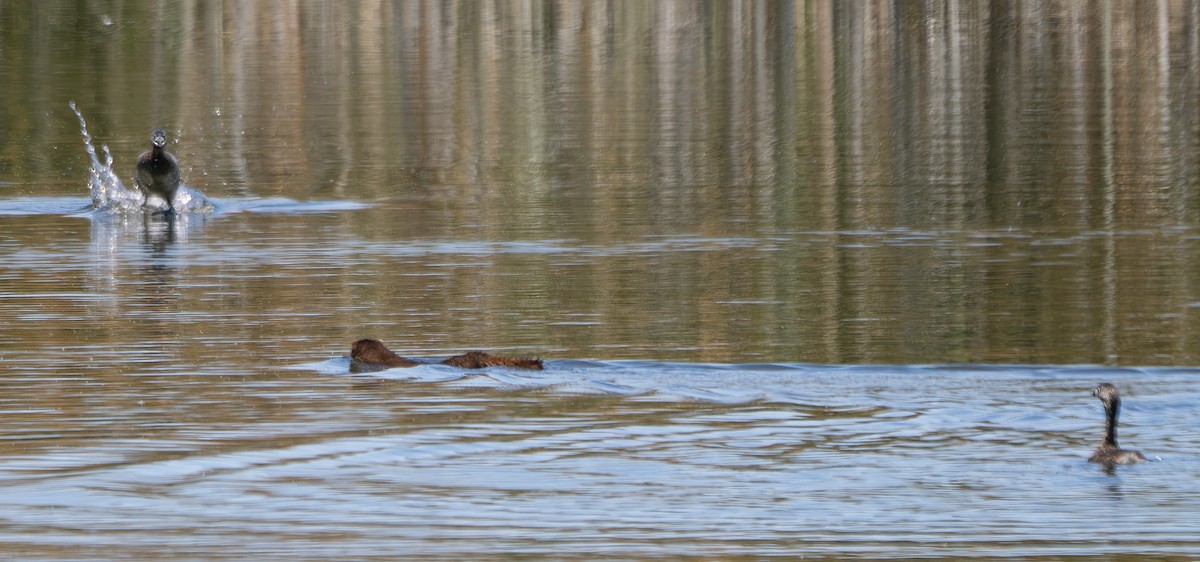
{"x": 626, "y": 458}
{"x": 811, "y": 279}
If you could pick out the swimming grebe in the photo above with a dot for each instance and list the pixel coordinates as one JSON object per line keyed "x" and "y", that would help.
{"x": 1109, "y": 452}
{"x": 157, "y": 170}
{"x": 372, "y": 353}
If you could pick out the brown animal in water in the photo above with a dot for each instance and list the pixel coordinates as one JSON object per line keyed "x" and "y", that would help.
{"x": 372, "y": 353}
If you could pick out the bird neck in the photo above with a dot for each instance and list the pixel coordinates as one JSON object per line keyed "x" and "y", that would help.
{"x": 1111, "y": 410}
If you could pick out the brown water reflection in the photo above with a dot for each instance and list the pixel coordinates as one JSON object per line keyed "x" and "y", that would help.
{"x": 1043, "y": 158}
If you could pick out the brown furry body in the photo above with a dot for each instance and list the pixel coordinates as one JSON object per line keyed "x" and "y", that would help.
{"x": 372, "y": 353}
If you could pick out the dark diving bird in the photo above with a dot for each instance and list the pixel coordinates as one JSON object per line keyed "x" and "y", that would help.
{"x": 157, "y": 170}
{"x": 1109, "y": 452}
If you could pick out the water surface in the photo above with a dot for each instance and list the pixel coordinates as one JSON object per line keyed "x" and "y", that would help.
{"x": 811, "y": 279}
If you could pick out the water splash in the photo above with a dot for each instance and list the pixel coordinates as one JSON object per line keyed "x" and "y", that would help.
{"x": 104, "y": 186}
{"x": 108, "y": 192}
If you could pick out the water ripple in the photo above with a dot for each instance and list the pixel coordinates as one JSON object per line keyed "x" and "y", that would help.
{"x": 624, "y": 458}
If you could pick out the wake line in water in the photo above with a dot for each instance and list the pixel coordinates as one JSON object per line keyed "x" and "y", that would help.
{"x": 108, "y": 192}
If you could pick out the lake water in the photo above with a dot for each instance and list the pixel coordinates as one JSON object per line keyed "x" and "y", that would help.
{"x": 811, "y": 279}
